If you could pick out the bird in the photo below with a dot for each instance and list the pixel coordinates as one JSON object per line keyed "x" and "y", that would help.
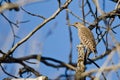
{"x": 86, "y": 37}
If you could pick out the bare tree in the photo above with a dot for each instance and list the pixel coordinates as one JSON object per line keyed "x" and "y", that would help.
{"x": 97, "y": 15}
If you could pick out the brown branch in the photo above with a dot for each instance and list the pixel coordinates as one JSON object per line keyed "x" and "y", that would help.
{"x": 44, "y": 60}
{"x": 104, "y": 16}
{"x": 108, "y": 68}
{"x": 41, "y": 58}
{"x": 38, "y": 27}
{"x": 34, "y": 14}
{"x": 90, "y": 8}
{"x": 15, "y": 5}
{"x": 81, "y": 63}
{"x": 30, "y": 69}
{"x": 8, "y": 6}
{"x": 70, "y": 36}
{"x": 15, "y": 60}
{"x": 102, "y": 55}
{"x": 7, "y": 72}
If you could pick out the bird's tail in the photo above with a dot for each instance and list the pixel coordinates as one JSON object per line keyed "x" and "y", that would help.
{"x": 89, "y": 52}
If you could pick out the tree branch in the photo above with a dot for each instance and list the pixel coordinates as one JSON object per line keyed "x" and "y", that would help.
{"x": 104, "y": 16}
{"x": 38, "y": 27}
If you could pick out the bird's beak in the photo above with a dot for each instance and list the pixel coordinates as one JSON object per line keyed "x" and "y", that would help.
{"x": 73, "y": 25}
{"x": 70, "y": 24}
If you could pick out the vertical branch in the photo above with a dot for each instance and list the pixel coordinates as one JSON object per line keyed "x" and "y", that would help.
{"x": 70, "y": 36}
{"x": 90, "y": 8}
{"x": 83, "y": 12}
{"x": 59, "y": 3}
{"x": 80, "y": 64}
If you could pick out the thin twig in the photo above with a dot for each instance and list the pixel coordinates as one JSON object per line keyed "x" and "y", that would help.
{"x": 33, "y": 14}
{"x": 9, "y": 74}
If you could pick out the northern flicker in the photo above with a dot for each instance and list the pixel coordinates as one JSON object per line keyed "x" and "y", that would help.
{"x": 86, "y": 37}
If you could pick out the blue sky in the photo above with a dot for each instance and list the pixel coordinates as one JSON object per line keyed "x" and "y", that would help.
{"x": 55, "y": 45}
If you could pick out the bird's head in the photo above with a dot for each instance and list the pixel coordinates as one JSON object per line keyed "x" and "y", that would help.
{"x": 78, "y": 25}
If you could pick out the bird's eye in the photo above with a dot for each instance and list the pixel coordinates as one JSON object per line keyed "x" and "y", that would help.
{"x": 76, "y": 23}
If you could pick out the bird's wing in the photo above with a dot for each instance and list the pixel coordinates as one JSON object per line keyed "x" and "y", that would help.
{"x": 86, "y": 37}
